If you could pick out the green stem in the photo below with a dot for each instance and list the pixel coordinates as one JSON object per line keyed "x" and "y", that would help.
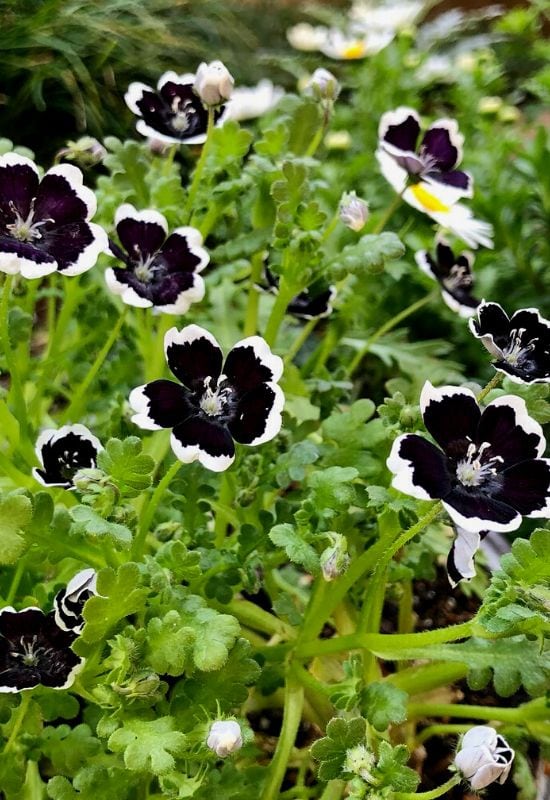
{"x": 147, "y": 515}
{"x": 75, "y": 406}
{"x": 495, "y": 381}
{"x": 431, "y": 795}
{"x": 15, "y": 581}
{"x": 382, "y": 552}
{"x": 527, "y": 711}
{"x": 385, "y": 218}
{"x": 19, "y": 716}
{"x": 199, "y": 169}
{"x": 441, "y": 730}
{"x": 253, "y": 302}
{"x": 256, "y": 618}
{"x": 319, "y": 134}
{"x": 226, "y": 498}
{"x": 292, "y": 716}
{"x": 388, "y": 326}
{"x": 300, "y": 340}
{"x": 387, "y": 645}
{"x": 333, "y": 790}
{"x": 15, "y": 384}
{"x": 276, "y": 317}
{"x": 424, "y": 678}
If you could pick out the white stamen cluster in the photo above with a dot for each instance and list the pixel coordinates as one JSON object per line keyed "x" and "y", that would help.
{"x": 472, "y": 471}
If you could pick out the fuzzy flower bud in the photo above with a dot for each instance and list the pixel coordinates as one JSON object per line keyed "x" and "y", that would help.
{"x": 213, "y": 83}
{"x": 335, "y": 559}
{"x": 225, "y": 737}
{"x": 360, "y": 761}
{"x": 86, "y": 151}
{"x": 484, "y": 757}
{"x": 354, "y": 212}
{"x": 323, "y": 85}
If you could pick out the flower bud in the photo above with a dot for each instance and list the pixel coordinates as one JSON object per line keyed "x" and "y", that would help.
{"x": 484, "y": 757}
{"x": 335, "y": 559}
{"x": 338, "y": 140}
{"x": 323, "y": 85}
{"x": 354, "y": 211}
{"x": 87, "y": 152}
{"x": 213, "y": 83}
{"x": 225, "y": 737}
{"x": 360, "y": 761}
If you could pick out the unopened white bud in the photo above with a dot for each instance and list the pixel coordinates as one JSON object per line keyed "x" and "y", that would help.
{"x": 335, "y": 559}
{"x": 86, "y": 151}
{"x": 354, "y": 212}
{"x": 225, "y": 737}
{"x": 213, "y": 83}
{"x": 360, "y": 761}
{"x": 484, "y": 756}
{"x": 323, "y": 85}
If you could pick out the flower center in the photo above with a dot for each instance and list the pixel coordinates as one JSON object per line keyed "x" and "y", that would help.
{"x": 182, "y": 110}
{"x": 517, "y": 350}
{"x": 30, "y": 653}
{"x": 474, "y": 470}
{"x": 458, "y": 278}
{"x": 354, "y": 50}
{"x": 214, "y": 402}
{"x": 25, "y": 230}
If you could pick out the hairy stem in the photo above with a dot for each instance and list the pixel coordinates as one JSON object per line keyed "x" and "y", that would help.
{"x": 199, "y": 169}
{"x": 292, "y": 715}
{"x": 439, "y": 791}
{"x": 253, "y": 301}
{"x": 495, "y": 381}
{"x": 147, "y": 515}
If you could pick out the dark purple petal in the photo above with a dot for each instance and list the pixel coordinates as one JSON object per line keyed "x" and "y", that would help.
{"x": 454, "y": 178}
{"x": 437, "y": 142}
{"x": 193, "y": 355}
{"x": 526, "y": 487}
{"x": 203, "y": 439}
{"x": 175, "y": 112}
{"x": 512, "y": 434}
{"x": 475, "y": 510}
{"x": 166, "y": 291}
{"x": 418, "y": 464}
{"x": 167, "y": 403}
{"x": 68, "y": 243}
{"x": 493, "y": 320}
{"x": 403, "y": 132}
{"x": 251, "y": 362}
{"x": 253, "y": 418}
{"x": 140, "y": 239}
{"x": 18, "y": 185}
{"x": 57, "y": 199}
{"x": 451, "y": 416}
{"x": 26, "y": 250}
{"x": 309, "y": 306}
{"x": 445, "y": 258}
{"x": 176, "y": 255}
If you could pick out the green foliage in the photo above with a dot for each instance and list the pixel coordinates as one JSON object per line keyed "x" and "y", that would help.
{"x": 331, "y": 751}
{"x": 151, "y": 745}
{"x": 517, "y": 598}
{"x": 127, "y": 467}
{"x": 119, "y": 595}
{"x": 391, "y": 770}
{"x": 297, "y": 550}
{"x": 382, "y": 704}
{"x": 15, "y": 515}
{"x": 368, "y": 255}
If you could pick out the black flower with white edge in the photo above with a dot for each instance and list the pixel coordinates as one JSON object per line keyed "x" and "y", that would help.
{"x": 159, "y": 270}
{"x": 219, "y": 402}
{"x": 432, "y": 160}
{"x": 312, "y": 303}
{"x": 69, "y": 602}
{"x": 45, "y": 224}
{"x": 487, "y": 470}
{"x": 35, "y": 651}
{"x": 63, "y": 452}
{"x": 520, "y": 344}
{"x": 173, "y": 112}
{"x": 454, "y": 275}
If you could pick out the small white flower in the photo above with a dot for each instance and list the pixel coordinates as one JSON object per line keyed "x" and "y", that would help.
{"x": 394, "y": 16}
{"x": 354, "y": 212}
{"x": 323, "y": 85}
{"x": 306, "y": 37}
{"x": 213, "y": 83}
{"x": 225, "y": 737}
{"x": 484, "y": 757}
{"x": 351, "y": 46}
{"x": 248, "y": 102}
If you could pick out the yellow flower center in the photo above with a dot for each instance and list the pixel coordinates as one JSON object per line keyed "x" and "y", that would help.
{"x": 354, "y": 50}
{"x": 427, "y": 199}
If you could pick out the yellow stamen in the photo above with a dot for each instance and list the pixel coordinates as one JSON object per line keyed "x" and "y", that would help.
{"x": 354, "y": 50}
{"x": 427, "y": 199}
